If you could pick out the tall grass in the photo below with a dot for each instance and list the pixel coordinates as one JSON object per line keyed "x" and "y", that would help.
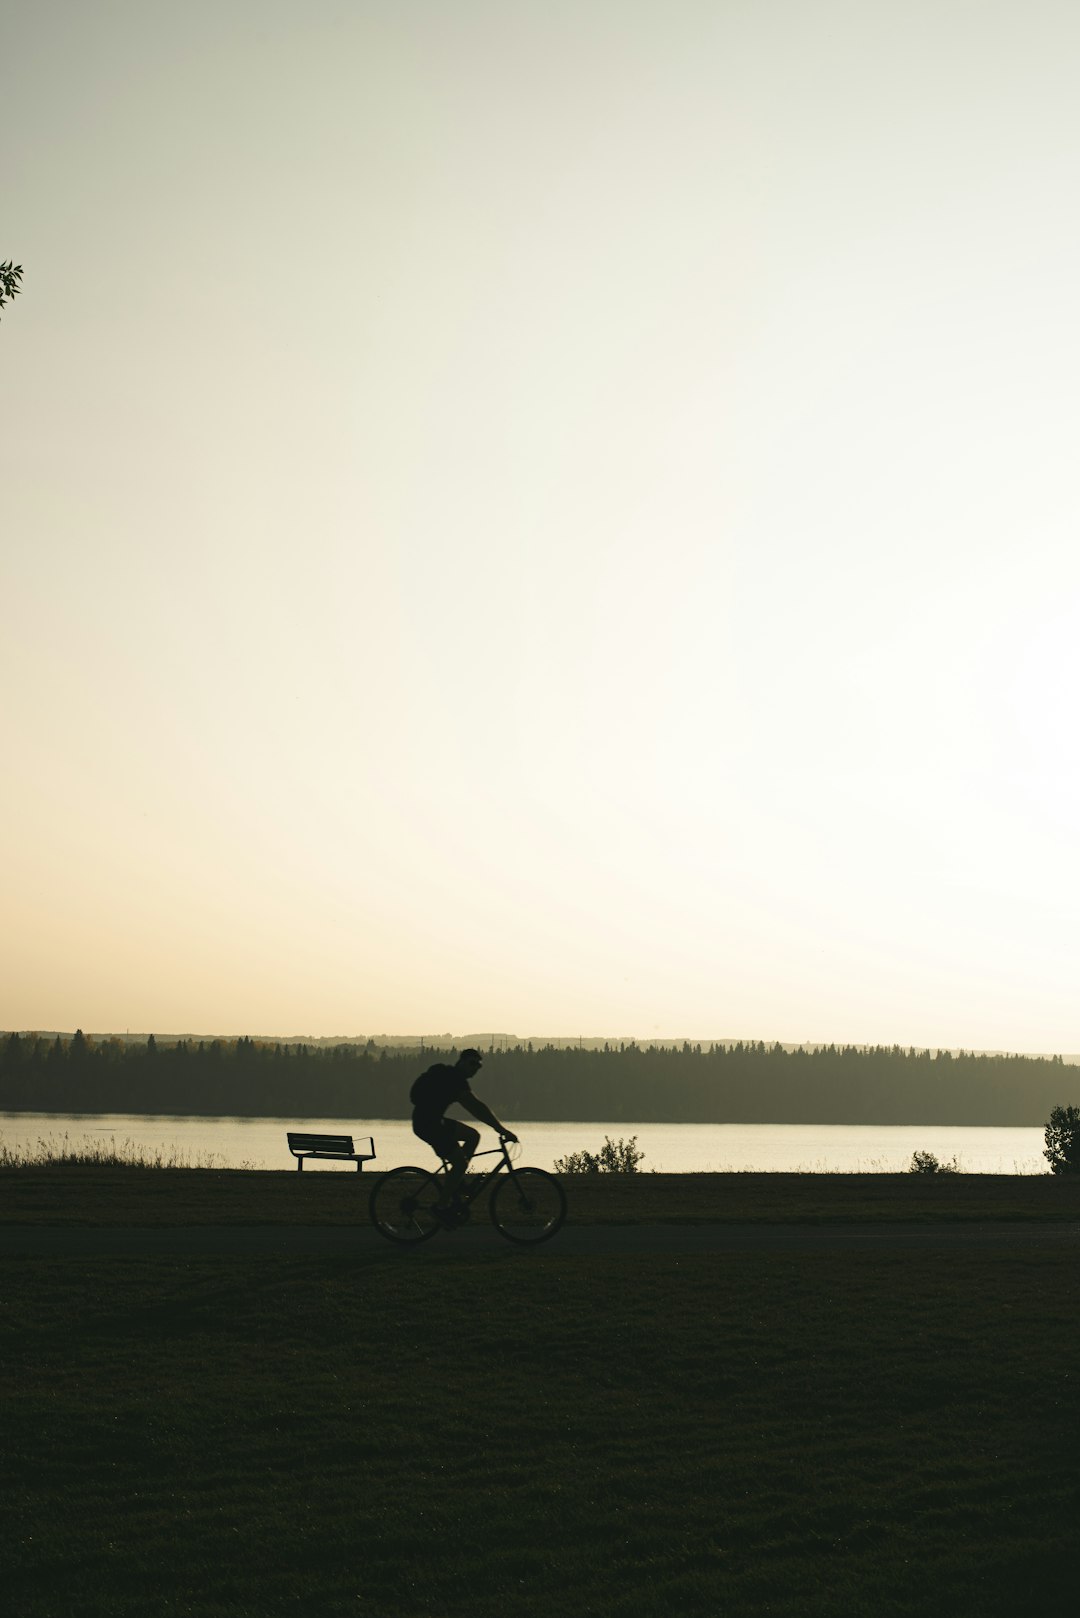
{"x": 50, "y": 1151}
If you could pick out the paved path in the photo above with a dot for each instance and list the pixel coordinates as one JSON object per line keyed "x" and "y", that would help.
{"x": 242, "y": 1241}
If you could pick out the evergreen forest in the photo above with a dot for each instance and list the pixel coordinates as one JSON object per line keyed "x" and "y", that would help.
{"x": 626, "y": 1082}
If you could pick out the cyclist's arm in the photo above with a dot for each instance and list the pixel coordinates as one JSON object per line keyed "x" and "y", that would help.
{"x": 474, "y": 1105}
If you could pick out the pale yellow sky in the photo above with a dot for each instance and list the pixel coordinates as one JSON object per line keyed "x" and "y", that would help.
{"x": 547, "y": 517}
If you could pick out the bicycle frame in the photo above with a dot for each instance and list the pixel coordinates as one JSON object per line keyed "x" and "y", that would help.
{"x": 468, "y": 1194}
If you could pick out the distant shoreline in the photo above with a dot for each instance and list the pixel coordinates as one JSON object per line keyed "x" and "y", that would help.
{"x": 606, "y": 1122}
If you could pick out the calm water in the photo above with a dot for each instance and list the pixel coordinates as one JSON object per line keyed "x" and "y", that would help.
{"x": 677, "y": 1148}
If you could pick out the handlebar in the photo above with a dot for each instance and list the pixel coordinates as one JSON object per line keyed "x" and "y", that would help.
{"x": 512, "y": 1148}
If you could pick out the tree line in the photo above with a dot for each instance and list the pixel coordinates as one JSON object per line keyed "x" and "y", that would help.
{"x": 620, "y": 1083}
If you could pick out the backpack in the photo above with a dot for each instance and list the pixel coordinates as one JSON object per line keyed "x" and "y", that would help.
{"x": 427, "y": 1089}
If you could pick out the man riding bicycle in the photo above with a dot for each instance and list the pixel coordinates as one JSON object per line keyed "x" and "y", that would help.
{"x": 442, "y": 1086}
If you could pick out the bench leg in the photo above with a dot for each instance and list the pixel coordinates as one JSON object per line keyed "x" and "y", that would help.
{"x": 299, "y": 1165}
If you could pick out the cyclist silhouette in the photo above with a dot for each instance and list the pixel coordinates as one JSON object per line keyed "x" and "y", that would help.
{"x": 435, "y": 1090}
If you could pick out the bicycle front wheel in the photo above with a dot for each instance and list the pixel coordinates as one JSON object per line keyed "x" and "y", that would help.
{"x": 527, "y": 1205}
{"x": 401, "y": 1205}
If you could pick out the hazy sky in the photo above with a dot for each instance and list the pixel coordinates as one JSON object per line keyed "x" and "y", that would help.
{"x": 543, "y": 517}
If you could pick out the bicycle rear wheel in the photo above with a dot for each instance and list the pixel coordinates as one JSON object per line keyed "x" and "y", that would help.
{"x": 527, "y": 1205}
{"x": 400, "y": 1205}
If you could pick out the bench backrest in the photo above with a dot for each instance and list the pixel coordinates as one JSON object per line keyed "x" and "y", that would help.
{"x": 321, "y": 1143}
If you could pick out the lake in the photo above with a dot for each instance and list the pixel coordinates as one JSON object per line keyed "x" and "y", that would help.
{"x": 259, "y": 1143}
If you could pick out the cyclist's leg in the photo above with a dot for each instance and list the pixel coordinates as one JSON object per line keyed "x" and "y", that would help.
{"x": 458, "y": 1142}
{"x": 455, "y": 1142}
{"x": 429, "y": 1130}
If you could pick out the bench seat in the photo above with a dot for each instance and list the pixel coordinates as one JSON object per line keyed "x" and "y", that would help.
{"x": 339, "y": 1147}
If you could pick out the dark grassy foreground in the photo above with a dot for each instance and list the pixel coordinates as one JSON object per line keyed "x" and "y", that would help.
{"x": 442, "y": 1433}
{"x": 98, "y": 1195}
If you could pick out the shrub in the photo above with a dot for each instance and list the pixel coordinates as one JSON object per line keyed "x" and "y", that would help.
{"x": 614, "y": 1157}
{"x": 1062, "y": 1135}
{"x": 929, "y": 1163}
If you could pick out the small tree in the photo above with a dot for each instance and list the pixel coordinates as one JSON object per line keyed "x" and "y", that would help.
{"x": 1062, "y": 1137}
{"x": 10, "y": 276}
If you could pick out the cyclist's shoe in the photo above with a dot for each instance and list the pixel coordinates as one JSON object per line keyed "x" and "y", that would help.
{"x": 450, "y": 1214}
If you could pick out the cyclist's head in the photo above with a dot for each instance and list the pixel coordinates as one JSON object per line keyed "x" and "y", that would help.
{"x": 471, "y": 1059}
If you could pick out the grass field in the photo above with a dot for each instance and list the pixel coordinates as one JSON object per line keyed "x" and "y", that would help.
{"x": 97, "y": 1195}
{"x": 471, "y": 1433}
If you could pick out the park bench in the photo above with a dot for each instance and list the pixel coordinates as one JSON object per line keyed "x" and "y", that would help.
{"x": 335, "y": 1146}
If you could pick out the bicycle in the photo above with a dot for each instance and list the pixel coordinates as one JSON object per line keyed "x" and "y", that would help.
{"x": 526, "y": 1205}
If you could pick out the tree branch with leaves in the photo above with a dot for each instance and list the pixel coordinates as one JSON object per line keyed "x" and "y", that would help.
{"x": 10, "y": 276}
